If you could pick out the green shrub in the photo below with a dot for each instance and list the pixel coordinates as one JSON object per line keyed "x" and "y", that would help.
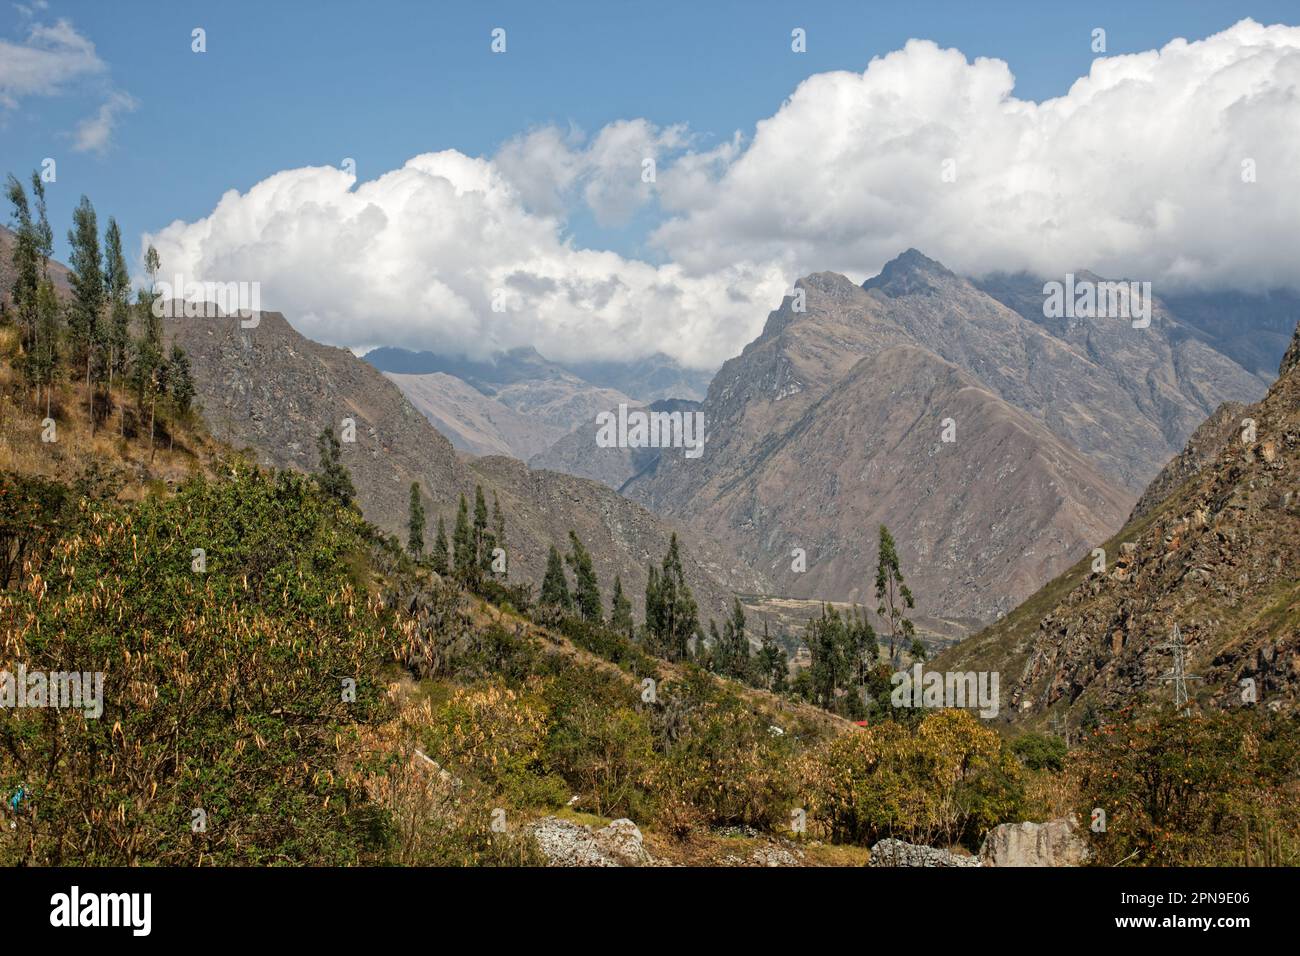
{"x": 223, "y": 690}
{"x": 1039, "y": 751}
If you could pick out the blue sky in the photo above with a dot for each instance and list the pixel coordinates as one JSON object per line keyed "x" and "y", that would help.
{"x": 294, "y": 84}
{"x": 498, "y": 199}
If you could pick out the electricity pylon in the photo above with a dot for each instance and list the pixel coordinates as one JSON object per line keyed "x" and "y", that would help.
{"x": 1178, "y": 672}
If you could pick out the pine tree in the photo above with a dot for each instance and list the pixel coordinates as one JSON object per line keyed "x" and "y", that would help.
{"x": 654, "y": 611}
{"x": 462, "y": 545}
{"x": 44, "y": 235}
{"x": 441, "y": 562}
{"x": 831, "y": 665}
{"x": 180, "y": 382}
{"x": 586, "y": 591}
{"x": 714, "y": 656}
{"x": 671, "y": 612}
{"x": 117, "y": 288}
{"x": 86, "y": 316}
{"x": 26, "y": 262}
{"x": 620, "y": 609}
{"x": 333, "y": 475}
{"x": 774, "y": 664}
{"x": 415, "y": 523}
{"x": 555, "y": 588}
{"x": 149, "y": 372}
{"x": 734, "y": 659}
{"x": 893, "y": 598}
{"x": 44, "y": 360}
{"x": 481, "y": 548}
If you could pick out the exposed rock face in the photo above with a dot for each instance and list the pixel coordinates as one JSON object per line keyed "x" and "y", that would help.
{"x": 1251, "y": 328}
{"x": 1217, "y": 557}
{"x": 832, "y": 422}
{"x": 1054, "y": 843}
{"x": 269, "y": 389}
{"x": 894, "y": 853}
{"x": 1126, "y": 397}
{"x": 1202, "y": 449}
{"x": 565, "y": 843}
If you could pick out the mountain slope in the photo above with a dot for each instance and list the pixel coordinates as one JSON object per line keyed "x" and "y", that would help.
{"x": 517, "y": 405}
{"x": 474, "y": 422}
{"x": 1218, "y": 555}
{"x": 270, "y": 389}
{"x": 830, "y": 423}
{"x": 1125, "y": 398}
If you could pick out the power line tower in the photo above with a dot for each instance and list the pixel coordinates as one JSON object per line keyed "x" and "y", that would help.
{"x": 1178, "y": 672}
{"x": 1061, "y": 728}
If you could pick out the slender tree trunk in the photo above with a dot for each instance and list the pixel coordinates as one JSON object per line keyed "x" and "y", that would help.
{"x": 90, "y": 394}
{"x": 153, "y": 410}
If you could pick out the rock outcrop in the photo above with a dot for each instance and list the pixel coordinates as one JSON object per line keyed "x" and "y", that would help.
{"x": 1054, "y": 843}
{"x": 565, "y": 843}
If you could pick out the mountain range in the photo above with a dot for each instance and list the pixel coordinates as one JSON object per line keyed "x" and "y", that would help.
{"x": 833, "y": 420}
{"x": 270, "y": 390}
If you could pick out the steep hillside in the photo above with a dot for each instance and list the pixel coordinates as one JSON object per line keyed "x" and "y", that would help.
{"x": 1218, "y": 556}
{"x": 270, "y": 389}
{"x": 1126, "y": 397}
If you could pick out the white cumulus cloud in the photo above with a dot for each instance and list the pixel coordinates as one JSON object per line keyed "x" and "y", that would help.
{"x": 421, "y": 256}
{"x": 1136, "y": 170}
{"x": 1139, "y": 170}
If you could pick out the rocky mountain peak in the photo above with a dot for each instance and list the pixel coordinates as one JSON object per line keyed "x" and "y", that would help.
{"x": 909, "y": 273}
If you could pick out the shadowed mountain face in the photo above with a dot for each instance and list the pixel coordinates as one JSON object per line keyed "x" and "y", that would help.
{"x": 1056, "y": 430}
{"x": 270, "y": 389}
{"x": 1215, "y": 550}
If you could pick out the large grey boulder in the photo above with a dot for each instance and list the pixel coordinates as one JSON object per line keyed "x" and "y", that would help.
{"x": 1054, "y": 843}
{"x": 565, "y": 843}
